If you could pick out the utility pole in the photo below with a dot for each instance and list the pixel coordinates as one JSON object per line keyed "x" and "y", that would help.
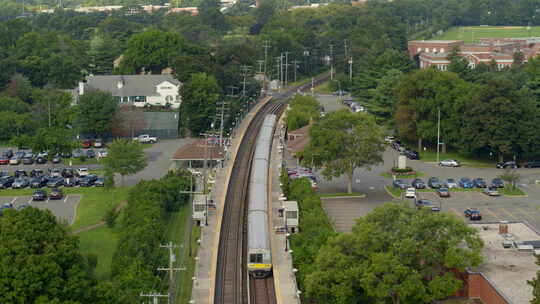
{"x": 266, "y": 46}
{"x": 232, "y": 88}
{"x": 260, "y": 62}
{"x": 438, "y": 133}
{"x": 282, "y": 77}
{"x": 331, "y": 62}
{"x": 155, "y": 297}
{"x": 172, "y": 259}
{"x": 350, "y": 68}
{"x": 295, "y": 63}
{"x": 346, "y": 50}
{"x": 244, "y": 70}
{"x": 286, "y": 69}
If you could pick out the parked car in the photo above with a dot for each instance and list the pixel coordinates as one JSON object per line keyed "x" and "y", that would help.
{"x": 508, "y": 164}
{"x": 466, "y": 183}
{"x": 410, "y": 193}
{"x": 100, "y": 182}
{"x": 41, "y": 160}
{"x": 82, "y": 172}
{"x": 145, "y": 138}
{"x": 6, "y": 181}
{"x": 532, "y": 164}
{"x": 38, "y": 182}
{"x": 90, "y": 154}
{"x": 4, "y": 160}
{"x": 5, "y": 206}
{"x": 426, "y": 204}
{"x": 449, "y": 163}
{"x": 71, "y": 182}
{"x": 479, "y": 182}
{"x": 451, "y": 183}
{"x": 77, "y": 153}
{"x": 43, "y": 154}
{"x": 39, "y": 195}
{"x": 412, "y": 154}
{"x": 473, "y": 214}
{"x": 443, "y": 192}
{"x": 102, "y": 153}
{"x": 66, "y": 154}
{"x": 15, "y": 160}
{"x": 88, "y": 180}
{"x": 19, "y": 173}
{"x": 36, "y": 172}
{"x": 418, "y": 184}
{"x": 28, "y": 160}
{"x": 87, "y": 143}
{"x": 497, "y": 183}
{"x": 56, "y": 159}
{"x": 98, "y": 143}
{"x": 7, "y": 153}
{"x": 20, "y": 183}
{"x": 55, "y": 182}
{"x": 434, "y": 183}
{"x": 55, "y": 172}
{"x": 491, "y": 191}
{"x": 399, "y": 183}
{"x": 56, "y": 194}
{"x": 68, "y": 172}
{"x": 389, "y": 139}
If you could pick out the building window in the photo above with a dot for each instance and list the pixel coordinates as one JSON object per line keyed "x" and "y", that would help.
{"x": 256, "y": 258}
{"x": 178, "y": 98}
{"x": 166, "y": 88}
{"x": 434, "y": 50}
{"x": 200, "y": 208}
{"x": 427, "y": 50}
{"x": 442, "y": 50}
{"x": 169, "y": 98}
{"x": 419, "y": 50}
{"x": 291, "y": 214}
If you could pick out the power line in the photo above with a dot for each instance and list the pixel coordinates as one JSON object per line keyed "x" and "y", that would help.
{"x": 172, "y": 259}
{"x": 244, "y": 70}
{"x": 156, "y": 297}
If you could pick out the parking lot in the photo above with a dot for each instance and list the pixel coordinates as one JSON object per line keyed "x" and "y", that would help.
{"x": 63, "y": 209}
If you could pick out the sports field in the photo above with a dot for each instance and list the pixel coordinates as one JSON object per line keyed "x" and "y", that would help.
{"x": 471, "y": 33}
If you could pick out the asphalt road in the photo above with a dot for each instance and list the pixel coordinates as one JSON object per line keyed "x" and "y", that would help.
{"x": 64, "y": 209}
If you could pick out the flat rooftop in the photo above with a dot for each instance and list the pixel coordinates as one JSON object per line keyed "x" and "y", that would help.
{"x": 508, "y": 269}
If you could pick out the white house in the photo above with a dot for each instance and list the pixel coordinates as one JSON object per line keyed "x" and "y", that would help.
{"x": 141, "y": 90}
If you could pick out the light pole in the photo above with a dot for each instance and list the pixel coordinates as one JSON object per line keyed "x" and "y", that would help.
{"x": 438, "y": 132}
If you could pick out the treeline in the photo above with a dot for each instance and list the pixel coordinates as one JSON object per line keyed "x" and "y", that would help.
{"x": 314, "y": 230}
{"x": 301, "y": 110}
{"x": 142, "y": 229}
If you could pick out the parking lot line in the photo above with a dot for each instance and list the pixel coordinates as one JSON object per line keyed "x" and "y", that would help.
{"x": 509, "y": 213}
{"x": 65, "y": 199}
{"x": 525, "y": 214}
{"x": 493, "y": 214}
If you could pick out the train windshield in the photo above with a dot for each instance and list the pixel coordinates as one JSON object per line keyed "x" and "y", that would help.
{"x": 256, "y": 258}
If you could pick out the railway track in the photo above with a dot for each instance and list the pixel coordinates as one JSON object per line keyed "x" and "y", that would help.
{"x": 231, "y": 285}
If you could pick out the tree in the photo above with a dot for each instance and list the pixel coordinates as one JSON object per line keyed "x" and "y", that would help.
{"x": 342, "y": 142}
{"x": 510, "y": 176}
{"x": 535, "y": 283}
{"x": 55, "y": 140}
{"x": 209, "y": 13}
{"x": 302, "y": 110}
{"x": 395, "y": 254}
{"x": 126, "y": 157}
{"x": 199, "y": 97}
{"x": 128, "y": 120}
{"x": 95, "y": 112}
{"x": 40, "y": 261}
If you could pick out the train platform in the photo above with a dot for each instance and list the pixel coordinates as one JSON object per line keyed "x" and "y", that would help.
{"x": 284, "y": 277}
{"x": 205, "y": 270}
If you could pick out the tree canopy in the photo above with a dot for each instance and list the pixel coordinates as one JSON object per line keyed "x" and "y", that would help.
{"x": 343, "y": 141}
{"x": 199, "y": 97}
{"x": 125, "y": 157}
{"x": 302, "y": 110}
{"x": 395, "y": 254}
{"x": 95, "y": 112}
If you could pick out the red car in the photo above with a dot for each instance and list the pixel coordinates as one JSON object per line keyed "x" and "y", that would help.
{"x": 87, "y": 143}
{"x": 4, "y": 160}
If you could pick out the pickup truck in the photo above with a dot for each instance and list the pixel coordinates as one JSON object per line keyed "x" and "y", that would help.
{"x": 145, "y": 139}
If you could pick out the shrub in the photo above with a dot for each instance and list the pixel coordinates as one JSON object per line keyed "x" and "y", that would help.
{"x": 407, "y": 170}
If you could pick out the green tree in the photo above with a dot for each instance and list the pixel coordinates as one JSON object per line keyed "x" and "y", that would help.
{"x": 395, "y": 254}
{"x": 199, "y": 97}
{"x": 95, "y": 112}
{"x": 383, "y": 103}
{"x": 302, "y": 110}
{"x": 209, "y": 13}
{"x": 40, "y": 261}
{"x": 126, "y": 157}
{"x": 535, "y": 283}
{"x": 55, "y": 140}
{"x": 342, "y": 142}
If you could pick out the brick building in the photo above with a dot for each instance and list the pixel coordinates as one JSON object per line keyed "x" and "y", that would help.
{"x": 435, "y": 52}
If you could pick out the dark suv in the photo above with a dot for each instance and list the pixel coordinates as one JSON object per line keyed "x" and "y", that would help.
{"x": 532, "y": 164}
{"x": 508, "y": 164}
{"x": 6, "y": 181}
{"x": 434, "y": 182}
{"x": 420, "y": 204}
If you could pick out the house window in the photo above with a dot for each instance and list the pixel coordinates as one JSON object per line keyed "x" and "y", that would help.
{"x": 169, "y": 98}
{"x": 291, "y": 214}
{"x": 177, "y": 98}
{"x": 166, "y": 88}
{"x": 442, "y": 50}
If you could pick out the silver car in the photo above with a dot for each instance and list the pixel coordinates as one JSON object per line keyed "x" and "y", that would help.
{"x": 449, "y": 163}
{"x": 451, "y": 183}
{"x": 20, "y": 183}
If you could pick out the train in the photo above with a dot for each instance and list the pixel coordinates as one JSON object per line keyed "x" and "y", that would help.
{"x": 259, "y": 259}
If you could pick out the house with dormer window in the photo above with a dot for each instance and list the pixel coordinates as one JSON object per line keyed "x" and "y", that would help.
{"x": 140, "y": 90}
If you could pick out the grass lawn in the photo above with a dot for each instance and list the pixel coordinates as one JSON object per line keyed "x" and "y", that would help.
{"x": 93, "y": 205}
{"x": 323, "y": 88}
{"x": 340, "y": 194}
{"x": 511, "y": 191}
{"x": 101, "y": 242}
{"x": 431, "y": 156}
{"x": 78, "y": 162}
{"x": 403, "y": 176}
{"x": 471, "y": 33}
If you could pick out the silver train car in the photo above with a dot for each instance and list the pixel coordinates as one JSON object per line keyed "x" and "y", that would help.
{"x": 259, "y": 255}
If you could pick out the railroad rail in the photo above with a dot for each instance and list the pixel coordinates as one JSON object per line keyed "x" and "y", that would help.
{"x": 231, "y": 285}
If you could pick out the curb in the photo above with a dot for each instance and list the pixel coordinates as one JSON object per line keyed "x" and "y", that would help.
{"x": 390, "y": 193}
{"x": 342, "y": 197}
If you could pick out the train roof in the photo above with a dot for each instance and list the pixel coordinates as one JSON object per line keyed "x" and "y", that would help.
{"x": 258, "y": 235}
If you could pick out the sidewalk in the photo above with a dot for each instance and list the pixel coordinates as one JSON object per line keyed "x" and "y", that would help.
{"x": 284, "y": 277}
{"x": 205, "y": 269}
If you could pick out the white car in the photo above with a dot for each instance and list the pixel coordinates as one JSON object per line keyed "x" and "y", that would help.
{"x": 102, "y": 153}
{"x": 451, "y": 183}
{"x": 410, "y": 193}
{"x": 449, "y": 163}
{"x": 82, "y": 172}
{"x": 389, "y": 139}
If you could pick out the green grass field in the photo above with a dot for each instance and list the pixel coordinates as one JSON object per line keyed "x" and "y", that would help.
{"x": 471, "y": 33}
{"x": 101, "y": 242}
